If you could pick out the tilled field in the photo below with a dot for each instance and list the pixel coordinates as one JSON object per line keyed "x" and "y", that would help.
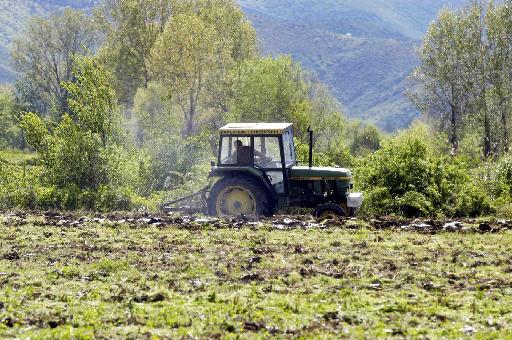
{"x": 118, "y": 276}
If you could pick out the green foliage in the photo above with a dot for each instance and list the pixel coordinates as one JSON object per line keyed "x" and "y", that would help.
{"x": 190, "y": 66}
{"x": 383, "y": 40}
{"x": 92, "y": 99}
{"x": 131, "y": 28}
{"x": 194, "y": 54}
{"x": 364, "y": 139}
{"x": 335, "y": 157}
{"x": 497, "y": 178}
{"x": 10, "y": 133}
{"x": 271, "y": 90}
{"x": 70, "y": 156}
{"x": 36, "y": 132}
{"x": 75, "y": 153}
{"x": 82, "y": 165}
{"x": 44, "y": 56}
{"x": 166, "y": 159}
{"x": 464, "y": 83}
{"x": 404, "y": 177}
{"x": 155, "y": 116}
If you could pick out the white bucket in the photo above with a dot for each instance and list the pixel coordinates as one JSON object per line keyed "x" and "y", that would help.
{"x": 355, "y": 199}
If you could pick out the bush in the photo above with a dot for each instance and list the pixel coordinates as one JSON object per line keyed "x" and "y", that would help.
{"x": 336, "y": 157}
{"x": 406, "y": 178}
{"x": 504, "y": 211}
{"x": 497, "y": 179}
{"x": 83, "y": 166}
{"x": 10, "y": 133}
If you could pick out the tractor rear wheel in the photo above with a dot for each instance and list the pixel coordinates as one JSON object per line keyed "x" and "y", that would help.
{"x": 238, "y": 196}
{"x": 331, "y": 210}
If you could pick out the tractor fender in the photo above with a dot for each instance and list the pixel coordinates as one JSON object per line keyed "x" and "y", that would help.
{"x": 251, "y": 172}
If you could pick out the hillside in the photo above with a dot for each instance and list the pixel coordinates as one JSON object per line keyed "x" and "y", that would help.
{"x": 14, "y": 13}
{"x": 363, "y": 50}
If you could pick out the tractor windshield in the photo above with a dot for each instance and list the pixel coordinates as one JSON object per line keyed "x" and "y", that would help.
{"x": 264, "y": 152}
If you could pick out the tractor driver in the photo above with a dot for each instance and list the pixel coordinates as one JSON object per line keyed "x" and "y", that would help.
{"x": 257, "y": 154}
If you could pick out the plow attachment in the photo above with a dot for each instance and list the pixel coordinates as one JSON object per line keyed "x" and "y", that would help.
{"x": 191, "y": 204}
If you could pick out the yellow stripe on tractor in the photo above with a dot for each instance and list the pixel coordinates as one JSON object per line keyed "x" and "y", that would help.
{"x": 251, "y": 132}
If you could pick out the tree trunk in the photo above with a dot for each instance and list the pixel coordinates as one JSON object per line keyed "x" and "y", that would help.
{"x": 487, "y": 135}
{"x": 504, "y": 122}
{"x": 191, "y": 115}
{"x": 146, "y": 76}
{"x": 454, "y": 137}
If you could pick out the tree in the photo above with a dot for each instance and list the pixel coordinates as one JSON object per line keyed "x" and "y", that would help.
{"x": 93, "y": 100}
{"x": 326, "y": 118}
{"x": 271, "y": 90}
{"x": 10, "y": 134}
{"x": 154, "y": 114}
{"x": 131, "y": 28}
{"x": 499, "y": 33}
{"x": 195, "y": 53}
{"x": 365, "y": 138}
{"x": 76, "y": 152}
{"x": 476, "y": 70}
{"x": 442, "y": 77}
{"x": 465, "y": 78}
{"x": 44, "y": 55}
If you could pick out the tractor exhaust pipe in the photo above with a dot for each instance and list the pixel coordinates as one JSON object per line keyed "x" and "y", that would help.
{"x": 310, "y": 147}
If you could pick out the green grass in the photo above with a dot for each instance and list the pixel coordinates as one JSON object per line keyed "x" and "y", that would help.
{"x": 117, "y": 281}
{"x": 18, "y": 157}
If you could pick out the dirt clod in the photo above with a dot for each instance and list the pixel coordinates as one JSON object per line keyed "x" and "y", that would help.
{"x": 329, "y": 316}
{"x": 485, "y": 227}
{"x": 9, "y": 322}
{"x": 11, "y": 255}
{"x": 54, "y": 324}
{"x": 304, "y": 272}
{"x": 307, "y": 262}
{"x": 254, "y": 326}
{"x": 300, "y": 249}
{"x": 255, "y": 259}
{"x": 252, "y": 277}
{"x": 156, "y": 297}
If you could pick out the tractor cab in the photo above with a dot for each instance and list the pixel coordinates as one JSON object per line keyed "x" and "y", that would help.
{"x": 267, "y": 147}
{"x": 259, "y": 173}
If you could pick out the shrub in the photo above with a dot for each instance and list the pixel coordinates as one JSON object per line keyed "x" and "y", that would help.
{"x": 406, "y": 178}
{"x": 82, "y": 165}
{"x": 504, "y": 211}
{"x": 497, "y": 179}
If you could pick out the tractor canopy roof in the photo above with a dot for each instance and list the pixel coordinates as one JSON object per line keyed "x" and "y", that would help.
{"x": 255, "y": 128}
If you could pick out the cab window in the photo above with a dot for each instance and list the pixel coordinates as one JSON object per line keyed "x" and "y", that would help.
{"x": 228, "y": 151}
{"x": 267, "y": 153}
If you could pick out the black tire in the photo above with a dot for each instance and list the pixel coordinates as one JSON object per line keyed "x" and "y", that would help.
{"x": 324, "y": 210}
{"x": 262, "y": 202}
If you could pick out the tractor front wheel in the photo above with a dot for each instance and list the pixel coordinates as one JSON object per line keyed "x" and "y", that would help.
{"x": 331, "y": 210}
{"x": 238, "y": 196}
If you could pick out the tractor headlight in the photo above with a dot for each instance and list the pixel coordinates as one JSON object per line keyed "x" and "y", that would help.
{"x": 355, "y": 200}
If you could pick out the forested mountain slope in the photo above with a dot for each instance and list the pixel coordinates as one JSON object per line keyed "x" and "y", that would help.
{"x": 14, "y": 14}
{"x": 364, "y": 50}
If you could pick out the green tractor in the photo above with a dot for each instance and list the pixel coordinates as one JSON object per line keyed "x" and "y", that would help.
{"x": 257, "y": 173}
